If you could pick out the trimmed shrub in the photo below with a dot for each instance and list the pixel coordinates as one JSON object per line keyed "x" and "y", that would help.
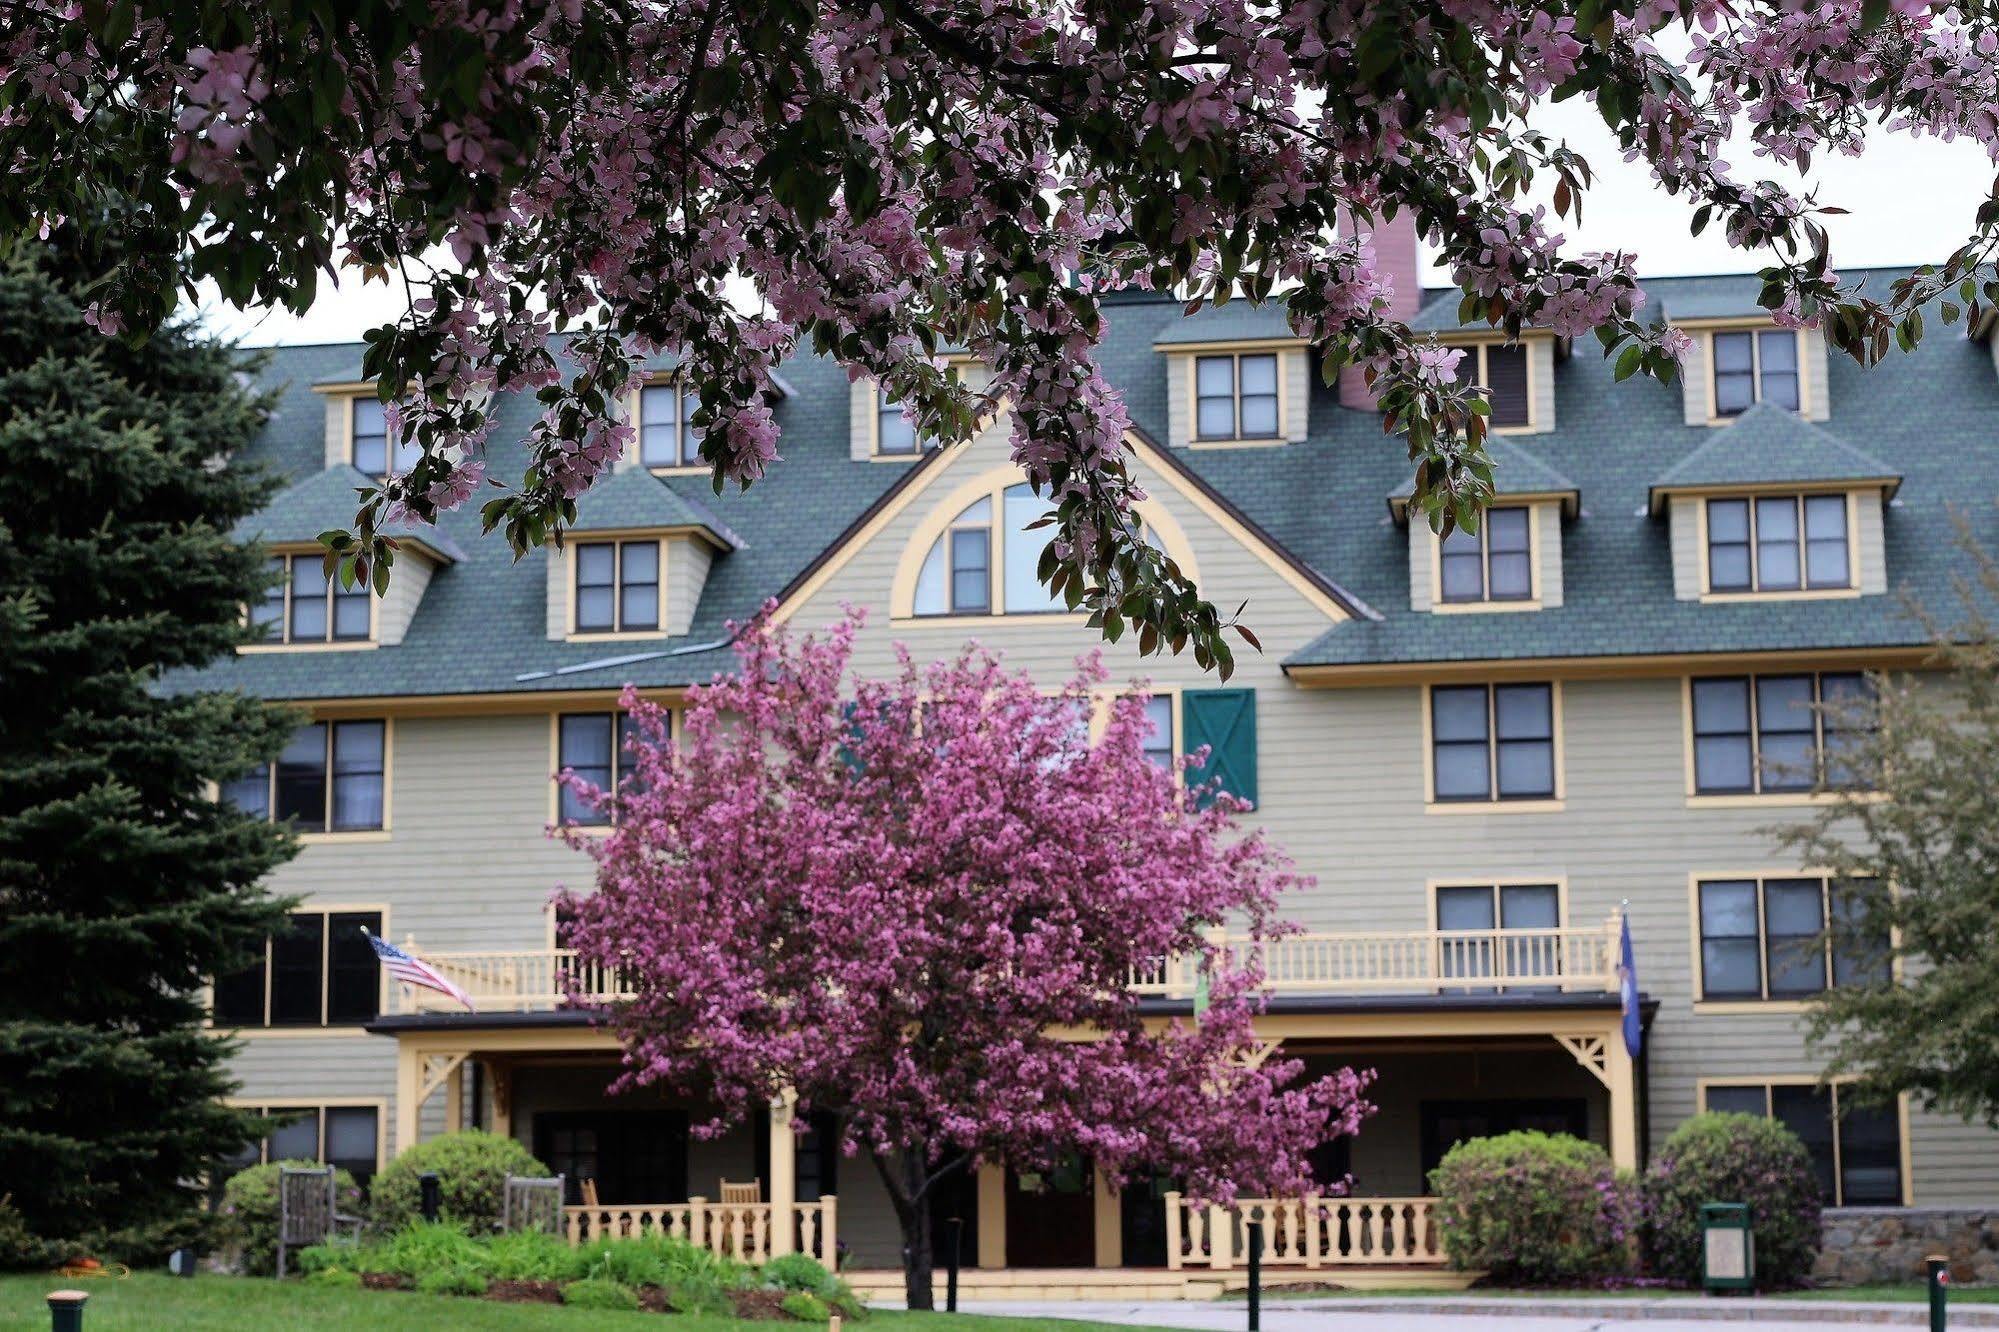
{"x": 471, "y": 1168}
{"x": 452, "y": 1281}
{"x": 1733, "y": 1158}
{"x": 1535, "y": 1209}
{"x": 806, "y": 1307}
{"x": 597, "y": 1293}
{"x": 798, "y": 1271}
{"x": 334, "y": 1278}
{"x": 250, "y": 1211}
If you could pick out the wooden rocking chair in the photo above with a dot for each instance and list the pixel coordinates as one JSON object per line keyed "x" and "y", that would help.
{"x": 742, "y": 1195}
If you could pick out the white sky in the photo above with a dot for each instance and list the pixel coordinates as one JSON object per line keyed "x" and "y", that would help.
{"x": 1908, "y": 201}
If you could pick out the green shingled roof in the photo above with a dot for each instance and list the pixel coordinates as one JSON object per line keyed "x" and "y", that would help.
{"x": 634, "y": 498}
{"x": 1516, "y": 470}
{"x": 328, "y": 500}
{"x": 1767, "y": 445}
{"x": 1923, "y": 417}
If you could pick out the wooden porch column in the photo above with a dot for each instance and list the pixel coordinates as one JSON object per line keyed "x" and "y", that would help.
{"x": 409, "y": 1082}
{"x": 992, "y": 1216}
{"x": 783, "y": 1175}
{"x": 1109, "y": 1223}
{"x": 1620, "y": 1076}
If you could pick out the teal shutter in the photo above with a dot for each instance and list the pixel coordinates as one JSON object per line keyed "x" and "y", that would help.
{"x": 1225, "y": 721}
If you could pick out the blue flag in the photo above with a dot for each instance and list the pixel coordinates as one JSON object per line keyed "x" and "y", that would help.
{"x": 1627, "y": 980}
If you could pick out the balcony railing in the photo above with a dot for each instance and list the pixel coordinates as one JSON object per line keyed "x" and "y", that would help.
{"x": 1573, "y": 958}
{"x": 1305, "y": 1232}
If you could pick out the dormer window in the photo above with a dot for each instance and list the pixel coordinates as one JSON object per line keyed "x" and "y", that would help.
{"x": 1235, "y": 397}
{"x": 895, "y": 434}
{"x": 667, "y": 437}
{"x": 1752, "y": 366}
{"x": 1495, "y": 563}
{"x": 617, "y": 587}
{"x": 1779, "y": 543}
{"x": 1499, "y": 371}
{"x": 369, "y": 447}
{"x": 303, "y": 606}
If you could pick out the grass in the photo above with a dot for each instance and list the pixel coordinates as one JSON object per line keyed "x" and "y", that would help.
{"x": 155, "y": 1301}
{"x": 1912, "y": 1293}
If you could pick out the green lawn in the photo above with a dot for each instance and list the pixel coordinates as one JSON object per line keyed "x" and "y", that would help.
{"x": 1913, "y": 1293}
{"x": 155, "y": 1301}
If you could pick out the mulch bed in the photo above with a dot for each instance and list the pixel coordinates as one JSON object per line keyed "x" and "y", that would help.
{"x": 758, "y": 1304}
{"x": 653, "y": 1299}
{"x": 386, "y": 1281}
{"x": 525, "y": 1292}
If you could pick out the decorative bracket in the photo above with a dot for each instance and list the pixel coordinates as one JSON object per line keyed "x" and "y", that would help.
{"x": 436, "y": 1069}
{"x": 1592, "y": 1052}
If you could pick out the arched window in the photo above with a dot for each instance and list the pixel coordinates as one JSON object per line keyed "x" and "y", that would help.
{"x": 985, "y": 562}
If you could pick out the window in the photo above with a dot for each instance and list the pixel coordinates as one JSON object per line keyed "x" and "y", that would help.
{"x": 1856, "y": 1149}
{"x": 1766, "y": 938}
{"x": 957, "y": 575}
{"x": 369, "y": 422}
{"x": 331, "y": 777}
{"x": 667, "y": 436}
{"x": 1492, "y": 742}
{"x": 1755, "y": 366}
{"x": 1770, "y": 734}
{"x": 895, "y": 434}
{"x": 1778, "y": 543}
{"x": 1504, "y": 906}
{"x": 1159, "y": 730}
{"x": 343, "y": 1136}
{"x": 321, "y": 972}
{"x": 1235, "y": 397}
{"x": 617, "y": 586}
{"x": 596, "y": 747}
{"x": 302, "y": 605}
{"x": 1500, "y": 371}
{"x": 1495, "y": 563}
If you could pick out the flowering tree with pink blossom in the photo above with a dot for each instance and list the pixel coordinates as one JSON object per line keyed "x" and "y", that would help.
{"x": 918, "y": 904}
{"x": 888, "y": 179}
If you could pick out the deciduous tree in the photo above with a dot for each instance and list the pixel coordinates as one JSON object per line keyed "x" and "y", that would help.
{"x": 918, "y": 903}
{"x": 889, "y": 179}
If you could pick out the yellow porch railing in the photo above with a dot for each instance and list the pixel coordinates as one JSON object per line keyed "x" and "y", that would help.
{"x": 1308, "y": 1232}
{"x": 1576, "y": 958}
{"x": 742, "y": 1231}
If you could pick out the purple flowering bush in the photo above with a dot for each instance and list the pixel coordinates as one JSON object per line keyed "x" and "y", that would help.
{"x": 1733, "y": 1158}
{"x": 1536, "y": 1209}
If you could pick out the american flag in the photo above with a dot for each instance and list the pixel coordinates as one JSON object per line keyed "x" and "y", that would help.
{"x": 414, "y": 971}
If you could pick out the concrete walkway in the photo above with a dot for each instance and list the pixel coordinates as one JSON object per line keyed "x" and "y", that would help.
{"x": 1463, "y": 1313}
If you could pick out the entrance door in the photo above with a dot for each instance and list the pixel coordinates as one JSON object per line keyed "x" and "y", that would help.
{"x": 1448, "y": 1123}
{"x": 1142, "y": 1220}
{"x": 1051, "y": 1216}
{"x": 636, "y": 1156}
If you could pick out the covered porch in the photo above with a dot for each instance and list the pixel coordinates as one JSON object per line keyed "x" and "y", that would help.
{"x": 1471, "y": 1032}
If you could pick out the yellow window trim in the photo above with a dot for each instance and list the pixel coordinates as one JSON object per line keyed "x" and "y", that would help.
{"x": 992, "y": 485}
{"x": 1696, "y": 799}
{"x": 1702, "y": 1084}
{"x": 572, "y": 709}
{"x": 379, "y": 1104}
{"x": 1705, "y": 329}
{"x": 1560, "y": 883}
{"x": 1479, "y": 347}
{"x": 634, "y": 412}
{"x": 287, "y": 551}
{"x": 1236, "y": 351}
{"x": 1485, "y": 605}
{"x": 381, "y": 834}
{"x": 618, "y": 542}
{"x": 324, "y": 1029}
{"x": 1545, "y": 805}
{"x": 1852, "y": 589}
{"x": 1738, "y": 1003}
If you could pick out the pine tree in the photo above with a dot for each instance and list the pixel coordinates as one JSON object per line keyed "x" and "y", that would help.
{"x": 124, "y": 882}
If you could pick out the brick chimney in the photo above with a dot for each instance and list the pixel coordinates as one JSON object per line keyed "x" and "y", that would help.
{"x": 1395, "y": 256}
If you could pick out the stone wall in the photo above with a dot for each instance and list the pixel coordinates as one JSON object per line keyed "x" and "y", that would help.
{"x": 1876, "y": 1244}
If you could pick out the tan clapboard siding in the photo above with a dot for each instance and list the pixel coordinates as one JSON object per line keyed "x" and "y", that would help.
{"x": 860, "y": 419}
{"x": 319, "y": 1070}
{"x": 1295, "y": 366}
{"x": 1694, "y": 385}
{"x": 399, "y": 605}
{"x": 1548, "y": 576}
{"x": 1872, "y": 544}
{"x": 1180, "y": 400}
{"x": 338, "y": 405}
{"x": 1952, "y": 1160}
{"x": 1818, "y": 386}
{"x": 1422, "y": 554}
{"x": 687, "y": 562}
{"x": 558, "y": 592}
{"x": 1683, "y": 520}
{"x": 1541, "y": 375}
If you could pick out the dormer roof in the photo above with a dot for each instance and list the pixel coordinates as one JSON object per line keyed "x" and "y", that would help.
{"x": 633, "y": 499}
{"x": 328, "y": 500}
{"x": 1769, "y": 445}
{"x": 1517, "y": 472}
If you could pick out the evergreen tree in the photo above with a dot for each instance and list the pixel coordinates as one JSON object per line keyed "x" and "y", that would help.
{"x": 124, "y": 882}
